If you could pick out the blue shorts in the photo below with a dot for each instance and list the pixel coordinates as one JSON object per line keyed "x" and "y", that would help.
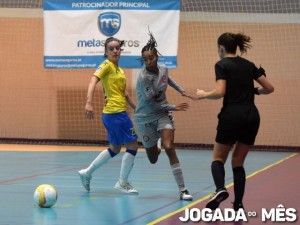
{"x": 119, "y": 128}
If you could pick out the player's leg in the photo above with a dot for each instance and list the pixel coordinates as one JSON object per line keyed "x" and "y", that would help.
{"x": 99, "y": 161}
{"x": 220, "y": 155}
{"x": 167, "y": 137}
{"x": 246, "y": 139}
{"x": 126, "y": 134}
{"x": 239, "y": 155}
{"x": 110, "y": 122}
{"x": 226, "y": 136}
{"x": 150, "y": 137}
{"x": 153, "y": 153}
{"x": 126, "y": 167}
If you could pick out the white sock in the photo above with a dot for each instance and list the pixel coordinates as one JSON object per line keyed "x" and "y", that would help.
{"x": 127, "y": 164}
{"x": 99, "y": 161}
{"x": 178, "y": 175}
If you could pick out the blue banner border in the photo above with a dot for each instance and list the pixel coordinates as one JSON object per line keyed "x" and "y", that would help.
{"x": 49, "y": 5}
{"x": 85, "y": 62}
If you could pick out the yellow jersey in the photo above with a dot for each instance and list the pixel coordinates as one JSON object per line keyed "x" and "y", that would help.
{"x": 113, "y": 81}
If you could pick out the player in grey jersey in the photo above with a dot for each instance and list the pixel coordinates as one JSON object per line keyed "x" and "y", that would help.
{"x": 153, "y": 113}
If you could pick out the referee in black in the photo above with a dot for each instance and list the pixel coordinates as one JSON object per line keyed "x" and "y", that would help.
{"x": 239, "y": 118}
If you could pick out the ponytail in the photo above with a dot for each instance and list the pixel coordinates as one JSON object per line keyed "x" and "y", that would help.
{"x": 243, "y": 42}
{"x": 231, "y": 41}
{"x": 151, "y": 45}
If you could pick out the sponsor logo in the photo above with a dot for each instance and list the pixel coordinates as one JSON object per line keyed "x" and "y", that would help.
{"x": 109, "y": 23}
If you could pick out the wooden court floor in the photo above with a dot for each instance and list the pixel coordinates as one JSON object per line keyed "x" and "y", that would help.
{"x": 272, "y": 180}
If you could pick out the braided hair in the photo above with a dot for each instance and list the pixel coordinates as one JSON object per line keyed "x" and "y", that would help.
{"x": 231, "y": 41}
{"x": 110, "y": 39}
{"x": 151, "y": 45}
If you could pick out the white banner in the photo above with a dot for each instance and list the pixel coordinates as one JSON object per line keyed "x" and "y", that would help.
{"x": 75, "y": 31}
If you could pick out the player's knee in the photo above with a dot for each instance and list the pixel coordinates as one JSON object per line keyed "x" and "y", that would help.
{"x": 168, "y": 146}
{"x": 114, "y": 151}
{"x": 152, "y": 154}
{"x": 153, "y": 160}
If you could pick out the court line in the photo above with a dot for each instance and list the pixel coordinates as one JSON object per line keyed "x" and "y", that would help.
{"x": 229, "y": 185}
{"x": 37, "y": 175}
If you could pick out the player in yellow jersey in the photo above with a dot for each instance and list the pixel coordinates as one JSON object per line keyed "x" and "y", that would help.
{"x": 114, "y": 117}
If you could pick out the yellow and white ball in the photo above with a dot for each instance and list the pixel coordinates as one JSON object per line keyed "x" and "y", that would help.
{"x": 45, "y": 196}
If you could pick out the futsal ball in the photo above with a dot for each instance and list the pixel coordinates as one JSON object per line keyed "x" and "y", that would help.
{"x": 45, "y": 196}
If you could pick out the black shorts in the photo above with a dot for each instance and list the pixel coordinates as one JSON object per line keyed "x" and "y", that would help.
{"x": 238, "y": 123}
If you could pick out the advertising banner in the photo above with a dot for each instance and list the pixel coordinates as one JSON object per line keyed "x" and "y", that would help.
{"x": 75, "y": 31}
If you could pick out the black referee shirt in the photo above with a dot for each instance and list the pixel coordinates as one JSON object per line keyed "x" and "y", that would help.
{"x": 239, "y": 74}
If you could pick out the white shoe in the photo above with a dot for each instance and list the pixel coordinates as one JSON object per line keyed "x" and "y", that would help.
{"x": 185, "y": 195}
{"x": 85, "y": 179}
{"x": 159, "y": 143}
{"x": 126, "y": 188}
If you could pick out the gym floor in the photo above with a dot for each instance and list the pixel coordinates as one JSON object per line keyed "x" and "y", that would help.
{"x": 272, "y": 179}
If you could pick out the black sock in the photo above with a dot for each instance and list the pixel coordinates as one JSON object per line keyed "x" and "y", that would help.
{"x": 239, "y": 179}
{"x": 218, "y": 173}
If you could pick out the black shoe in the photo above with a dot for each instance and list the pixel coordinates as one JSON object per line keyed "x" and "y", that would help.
{"x": 216, "y": 199}
{"x": 237, "y": 206}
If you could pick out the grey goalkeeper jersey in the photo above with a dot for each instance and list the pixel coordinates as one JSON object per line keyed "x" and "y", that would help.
{"x": 151, "y": 91}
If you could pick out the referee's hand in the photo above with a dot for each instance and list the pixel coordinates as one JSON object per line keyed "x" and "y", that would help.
{"x": 200, "y": 94}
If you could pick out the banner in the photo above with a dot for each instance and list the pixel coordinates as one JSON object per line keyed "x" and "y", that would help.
{"x": 75, "y": 31}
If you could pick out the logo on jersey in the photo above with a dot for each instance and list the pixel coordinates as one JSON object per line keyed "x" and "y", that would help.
{"x": 146, "y": 138}
{"x": 98, "y": 70}
{"x": 109, "y": 23}
{"x": 164, "y": 79}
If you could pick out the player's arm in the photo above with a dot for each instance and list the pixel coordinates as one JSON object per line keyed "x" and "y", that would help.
{"x": 90, "y": 93}
{"x": 178, "y": 88}
{"x": 266, "y": 86}
{"x": 217, "y": 93}
{"x": 129, "y": 100}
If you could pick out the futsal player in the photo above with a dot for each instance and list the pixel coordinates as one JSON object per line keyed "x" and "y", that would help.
{"x": 239, "y": 118}
{"x": 153, "y": 113}
{"x": 114, "y": 117}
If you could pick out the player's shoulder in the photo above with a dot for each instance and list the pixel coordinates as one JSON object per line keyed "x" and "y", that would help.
{"x": 230, "y": 60}
{"x": 162, "y": 67}
{"x": 105, "y": 64}
{"x": 246, "y": 62}
{"x": 103, "y": 67}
